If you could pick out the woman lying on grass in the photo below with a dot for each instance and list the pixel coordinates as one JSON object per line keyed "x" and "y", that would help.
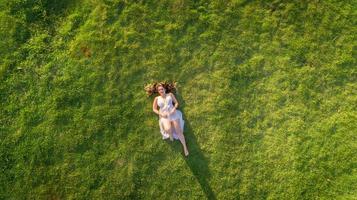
{"x": 170, "y": 119}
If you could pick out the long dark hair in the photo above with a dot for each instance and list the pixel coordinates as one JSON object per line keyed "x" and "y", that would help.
{"x": 151, "y": 88}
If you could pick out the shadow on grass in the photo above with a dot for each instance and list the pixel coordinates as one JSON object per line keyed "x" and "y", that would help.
{"x": 196, "y": 160}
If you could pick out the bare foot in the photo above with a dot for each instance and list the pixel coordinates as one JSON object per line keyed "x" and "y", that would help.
{"x": 186, "y": 153}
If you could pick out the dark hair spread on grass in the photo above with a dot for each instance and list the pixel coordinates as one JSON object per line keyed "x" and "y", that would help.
{"x": 151, "y": 88}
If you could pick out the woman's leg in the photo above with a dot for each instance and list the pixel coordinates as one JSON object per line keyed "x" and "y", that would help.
{"x": 168, "y": 128}
{"x": 176, "y": 125}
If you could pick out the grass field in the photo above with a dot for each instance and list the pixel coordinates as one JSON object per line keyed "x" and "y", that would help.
{"x": 268, "y": 90}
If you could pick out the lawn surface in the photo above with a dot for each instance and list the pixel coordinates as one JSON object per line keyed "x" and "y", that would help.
{"x": 267, "y": 89}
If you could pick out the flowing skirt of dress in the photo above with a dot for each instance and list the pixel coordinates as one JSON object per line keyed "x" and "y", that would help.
{"x": 176, "y": 115}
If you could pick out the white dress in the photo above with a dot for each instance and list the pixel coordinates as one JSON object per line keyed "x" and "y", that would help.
{"x": 166, "y": 106}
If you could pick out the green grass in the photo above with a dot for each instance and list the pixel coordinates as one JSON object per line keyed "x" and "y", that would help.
{"x": 267, "y": 90}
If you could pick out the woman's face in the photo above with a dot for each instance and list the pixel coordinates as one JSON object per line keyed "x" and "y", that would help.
{"x": 161, "y": 90}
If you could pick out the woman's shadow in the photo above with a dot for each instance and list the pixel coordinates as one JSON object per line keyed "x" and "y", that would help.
{"x": 195, "y": 160}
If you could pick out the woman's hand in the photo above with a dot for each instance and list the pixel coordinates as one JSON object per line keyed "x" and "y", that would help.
{"x": 173, "y": 110}
{"x": 164, "y": 115}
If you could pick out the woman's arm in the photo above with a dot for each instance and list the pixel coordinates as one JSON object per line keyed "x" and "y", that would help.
{"x": 176, "y": 103}
{"x": 175, "y": 100}
{"x": 154, "y": 107}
